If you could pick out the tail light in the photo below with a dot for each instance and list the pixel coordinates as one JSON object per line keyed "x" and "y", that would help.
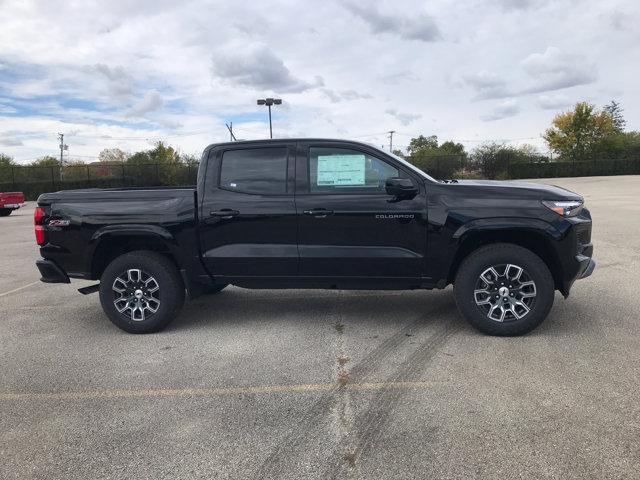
{"x": 38, "y": 217}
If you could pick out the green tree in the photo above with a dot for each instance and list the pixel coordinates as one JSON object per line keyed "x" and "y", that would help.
{"x": 451, "y": 148}
{"x": 441, "y": 161}
{"x": 189, "y": 159}
{"x": 6, "y": 164}
{"x": 579, "y": 134}
{"x": 164, "y": 154}
{"x": 422, "y": 143}
{"x": 493, "y": 160}
{"x": 6, "y": 161}
{"x": 113, "y": 155}
{"x": 160, "y": 165}
{"x": 614, "y": 110}
{"x": 46, "y": 161}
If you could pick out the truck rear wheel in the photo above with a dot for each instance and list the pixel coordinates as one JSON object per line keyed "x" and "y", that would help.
{"x": 141, "y": 292}
{"x": 5, "y": 212}
{"x": 504, "y": 289}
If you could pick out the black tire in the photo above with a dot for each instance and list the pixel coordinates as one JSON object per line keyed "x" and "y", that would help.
{"x": 499, "y": 254}
{"x": 5, "y": 212}
{"x": 213, "y": 289}
{"x": 169, "y": 295}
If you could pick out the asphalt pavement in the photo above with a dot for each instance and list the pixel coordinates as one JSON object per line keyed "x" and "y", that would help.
{"x": 325, "y": 384}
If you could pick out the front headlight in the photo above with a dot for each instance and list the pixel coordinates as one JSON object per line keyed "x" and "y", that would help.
{"x": 569, "y": 208}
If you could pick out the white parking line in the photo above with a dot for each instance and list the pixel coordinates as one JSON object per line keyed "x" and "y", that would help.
{"x": 210, "y": 392}
{"x": 19, "y": 288}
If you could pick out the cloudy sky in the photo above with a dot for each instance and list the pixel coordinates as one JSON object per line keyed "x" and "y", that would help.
{"x": 127, "y": 73}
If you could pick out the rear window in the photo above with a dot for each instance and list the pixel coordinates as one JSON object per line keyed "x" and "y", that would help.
{"x": 255, "y": 170}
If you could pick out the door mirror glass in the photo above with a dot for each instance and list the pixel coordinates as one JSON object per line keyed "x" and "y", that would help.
{"x": 400, "y": 187}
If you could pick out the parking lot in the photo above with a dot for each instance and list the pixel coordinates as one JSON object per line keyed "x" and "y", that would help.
{"x": 325, "y": 384}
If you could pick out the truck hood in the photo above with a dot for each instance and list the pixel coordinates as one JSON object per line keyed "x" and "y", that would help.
{"x": 517, "y": 189}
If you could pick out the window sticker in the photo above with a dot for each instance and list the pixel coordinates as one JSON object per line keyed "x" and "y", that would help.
{"x": 337, "y": 170}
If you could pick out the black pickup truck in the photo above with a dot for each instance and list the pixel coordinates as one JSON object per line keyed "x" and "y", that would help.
{"x": 311, "y": 213}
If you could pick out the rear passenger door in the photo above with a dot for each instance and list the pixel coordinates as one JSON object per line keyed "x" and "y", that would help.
{"x": 248, "y": 215}
{"x": 348, "y": 226}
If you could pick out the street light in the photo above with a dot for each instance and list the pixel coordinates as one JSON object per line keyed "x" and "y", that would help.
{"x": 268, "y": 102}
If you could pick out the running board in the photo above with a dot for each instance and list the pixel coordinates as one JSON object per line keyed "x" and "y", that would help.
{"x": 89, "y": 289}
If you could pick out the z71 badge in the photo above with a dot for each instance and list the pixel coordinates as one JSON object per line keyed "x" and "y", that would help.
{"x": 59, "y": 223}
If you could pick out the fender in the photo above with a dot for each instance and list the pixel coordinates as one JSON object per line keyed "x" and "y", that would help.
{"x": 537, "y": 229}
{"x": 132, "y": 229}
{"x": 508, "y": 223}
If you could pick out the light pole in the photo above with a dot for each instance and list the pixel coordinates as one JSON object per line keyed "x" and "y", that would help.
{"x": 268, "y": 102}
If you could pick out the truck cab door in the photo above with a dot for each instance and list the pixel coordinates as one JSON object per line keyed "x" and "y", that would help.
{"x": 247, "y": 215}
{"x": 348, "y": 225}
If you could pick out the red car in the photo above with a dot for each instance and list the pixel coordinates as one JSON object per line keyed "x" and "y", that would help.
{"x": 9, "y": 202}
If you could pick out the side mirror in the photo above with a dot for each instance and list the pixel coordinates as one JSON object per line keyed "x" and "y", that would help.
{"x": 400, "y": 187}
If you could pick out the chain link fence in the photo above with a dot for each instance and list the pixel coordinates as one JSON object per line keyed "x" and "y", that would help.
{"x": 506, "y": 166}
{"x": 36, "y": 180}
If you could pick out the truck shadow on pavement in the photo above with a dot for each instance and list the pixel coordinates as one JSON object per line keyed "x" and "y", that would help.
{"x": 235, "y": 305}
{"x": 241, "y": 306}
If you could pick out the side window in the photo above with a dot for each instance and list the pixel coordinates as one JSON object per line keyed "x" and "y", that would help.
{"x": 341, "y": 170}
{"x": 255, "y": 170}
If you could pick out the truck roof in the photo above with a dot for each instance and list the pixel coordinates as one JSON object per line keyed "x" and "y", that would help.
{"x": 280, "y": 140}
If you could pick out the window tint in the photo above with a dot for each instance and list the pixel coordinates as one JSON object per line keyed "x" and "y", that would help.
{"x": 345, "y": 170}
{"x": 255, "y": 170}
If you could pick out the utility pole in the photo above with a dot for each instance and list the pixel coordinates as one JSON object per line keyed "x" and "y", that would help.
{"x": 391, "y": 132}
{"x": 232, "y": 137}
{"x": 63, "y": 147}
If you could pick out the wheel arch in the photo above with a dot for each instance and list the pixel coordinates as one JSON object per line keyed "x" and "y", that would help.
{"x": 111, "y": 242}
{"x": 535, "y": 240}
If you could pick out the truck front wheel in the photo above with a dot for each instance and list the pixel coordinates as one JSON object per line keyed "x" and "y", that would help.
{"x": 5, "y": 212}
{"x": 504, "y": 289}
{"x": 141, "y": 291}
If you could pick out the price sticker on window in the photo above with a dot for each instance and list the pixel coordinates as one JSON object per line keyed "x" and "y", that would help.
{"x": 340, "y": 170}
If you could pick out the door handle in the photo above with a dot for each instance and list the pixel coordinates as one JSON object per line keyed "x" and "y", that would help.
{"x": 224, "y": 213}
{"x": 318, "y": 212}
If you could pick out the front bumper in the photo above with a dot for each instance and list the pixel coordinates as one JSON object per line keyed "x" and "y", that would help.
{"x": 51, "y": 273}
{"x": 587, "y": 265}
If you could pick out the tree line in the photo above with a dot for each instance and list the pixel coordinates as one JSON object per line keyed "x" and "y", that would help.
{"x": 163, "y": 161}
{"x": 582, "y": 134}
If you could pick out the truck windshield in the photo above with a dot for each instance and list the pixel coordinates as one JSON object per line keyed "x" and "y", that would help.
{"x": 409, "y": 165}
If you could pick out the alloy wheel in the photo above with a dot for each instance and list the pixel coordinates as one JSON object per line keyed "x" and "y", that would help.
{"x": 505, "y": 292}
{"x": 136, "y": 294}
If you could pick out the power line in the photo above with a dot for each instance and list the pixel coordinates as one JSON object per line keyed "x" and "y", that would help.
{"x": 471, "y": 140}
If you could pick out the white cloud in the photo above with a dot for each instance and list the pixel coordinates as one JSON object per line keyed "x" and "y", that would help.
{"x": 556, "y": 70}
{"x": 413, "y": 26}
{"x": 553, "y": 102}
{"x": 403, "y": 117}
{"x": 256, "y": 66}
{"x": 125, "y": 74}
{"x": 487, "y": 85}
{"x": 119, "y": 80}
{"x": 151, "y": 101}
{"x": 506, "y": 109}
